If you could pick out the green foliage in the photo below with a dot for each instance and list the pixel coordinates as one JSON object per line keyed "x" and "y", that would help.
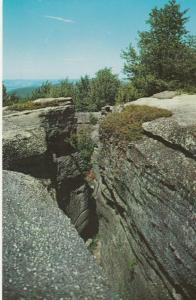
{"x": 94, "y": 244}
{"x": 92, "y": 94}
{"x": 132, "y": 264}
{"x": 82, "y": 95}
{"x": 83, "y": 143}
{"x": 167, "y": 54}
{"x": 9, "y": 99}
{"x": 92, "y": 119}
{"x": 104, "y": 88}
{"x": 64, "y": 89}
{"x": 88, "y": 94}
{"x": 127, "y": 92}
{"x": 127, "y": 125}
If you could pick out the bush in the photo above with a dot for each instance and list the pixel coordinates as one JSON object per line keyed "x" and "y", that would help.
{"x": 149, "y": 85}
{"x": 9, "y": 99}
{"x": 83, "y": 143}
{"x": 92, "y": 119}
{"x": 103, "y": 89}
{"x": 127, "y": 125}
{"x": 126, "y": 93}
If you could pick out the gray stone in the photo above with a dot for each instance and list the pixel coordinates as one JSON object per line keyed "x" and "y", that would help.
{"x": 58, "y": 101}
{"x": 146, "y": 195}
{"x": 37, "y": 142}
{"x": 83, "y": 123}
{"x": 43, "y": 256}
{"x": 165, "y": 95}
{"x": 29, "y": 135}
{"x": 183, "y": 107}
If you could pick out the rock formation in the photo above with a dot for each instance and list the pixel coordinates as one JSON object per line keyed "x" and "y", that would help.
{"x": 146, "y": 194}
{"x": 36, "y": 142}
{"x": 43, "y": 255}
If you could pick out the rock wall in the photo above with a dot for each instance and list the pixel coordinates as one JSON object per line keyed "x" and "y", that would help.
{"x": 36, "y": 142}
{"x": 146, "y": 195}
{"x": 43, "y": 255}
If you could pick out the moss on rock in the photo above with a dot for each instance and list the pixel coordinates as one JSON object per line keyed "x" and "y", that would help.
{"x": 127, "y": 125}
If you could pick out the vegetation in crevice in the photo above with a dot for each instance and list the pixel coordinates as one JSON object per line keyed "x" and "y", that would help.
{"x": 83, "y": 143}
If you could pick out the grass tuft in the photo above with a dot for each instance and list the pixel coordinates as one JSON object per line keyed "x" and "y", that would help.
{"x": 31, "y": 105}
{"x": 127, "y": 125}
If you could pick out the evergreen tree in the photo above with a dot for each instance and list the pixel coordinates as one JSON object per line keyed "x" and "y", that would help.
{"x": 167, "y": 54}
{"x": 104, "y": 88}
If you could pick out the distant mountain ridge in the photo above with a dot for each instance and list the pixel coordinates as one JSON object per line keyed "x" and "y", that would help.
{"x": 24, "y": 87}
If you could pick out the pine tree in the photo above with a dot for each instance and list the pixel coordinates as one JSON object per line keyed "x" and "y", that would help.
{"x": 167, "y": 54}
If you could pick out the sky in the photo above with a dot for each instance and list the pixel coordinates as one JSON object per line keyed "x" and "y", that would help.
{"x": 55, "y": 39}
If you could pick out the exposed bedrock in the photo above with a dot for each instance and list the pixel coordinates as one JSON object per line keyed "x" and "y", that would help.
{"x": 146, "y": 201}
{"x": 37, "y": 142}
{"x": 43, "y": 255}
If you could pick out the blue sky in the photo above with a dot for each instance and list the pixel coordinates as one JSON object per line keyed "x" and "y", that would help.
{"x": 53, "y": 39}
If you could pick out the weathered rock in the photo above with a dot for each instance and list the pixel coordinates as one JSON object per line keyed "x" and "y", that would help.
{"x": 180, "y": 129}
{"x": 146, "y": 204}
{"x": 29, "y": 137}
{"x": 73, "y": 193}
{"x": 165, "y": 95}
{"x": 37, "y": 142}
{"x": 43, "y": 256}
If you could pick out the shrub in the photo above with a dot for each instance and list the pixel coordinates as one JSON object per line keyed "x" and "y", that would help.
{"x": 92, "y": 119}
{"x": 127, "y": 125}
{"x": 83, "y": 143}
{"x": 148, "y": 85}
{"x": 126, "y": 93}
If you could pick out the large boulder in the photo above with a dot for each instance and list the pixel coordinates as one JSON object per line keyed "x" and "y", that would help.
{"x": 30, "y": 136}
{"x": 43, "y": 256}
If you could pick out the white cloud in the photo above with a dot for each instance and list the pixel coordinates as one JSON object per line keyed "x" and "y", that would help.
{"x": 60, "y": 19}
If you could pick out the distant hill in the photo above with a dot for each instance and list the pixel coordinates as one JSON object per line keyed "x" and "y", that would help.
{"x": 23, "y": 92}
{"x": 23, "y": 88}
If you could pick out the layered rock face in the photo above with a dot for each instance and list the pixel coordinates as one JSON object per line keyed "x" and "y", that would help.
{"x": 36, "y": 142}
{"x": 146, "y": 196}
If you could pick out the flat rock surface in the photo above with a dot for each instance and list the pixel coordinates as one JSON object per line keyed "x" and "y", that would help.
{"x": 180, "y": 129}
{"x": 183, "y": 107}
{"x": 43, "y": 256}
{"x": 165, "y": 95}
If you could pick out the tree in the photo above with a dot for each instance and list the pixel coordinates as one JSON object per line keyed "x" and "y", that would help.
{"x": 167, "y": 54}
{"x": 104, "y": 88}
{"x": 9, "y": 99}
{"x": 82, "y": 94}
{"x": 43, "y": 91}
{"x": 47, "y": 89}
